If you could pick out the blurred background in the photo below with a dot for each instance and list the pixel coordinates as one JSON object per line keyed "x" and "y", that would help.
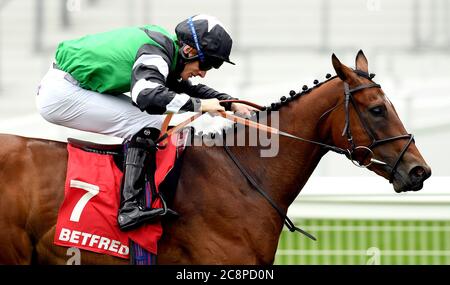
{"x": 279, "y": 46}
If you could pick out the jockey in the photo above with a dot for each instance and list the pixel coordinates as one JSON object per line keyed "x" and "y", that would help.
{"x": 84, "y": 90}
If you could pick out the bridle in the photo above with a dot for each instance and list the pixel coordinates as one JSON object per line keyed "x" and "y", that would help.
{"x": 375, "y": 141}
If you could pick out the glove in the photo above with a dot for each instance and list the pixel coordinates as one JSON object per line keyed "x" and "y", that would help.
{"x": 242, "y": 109}
{"x": 211, "y": 105}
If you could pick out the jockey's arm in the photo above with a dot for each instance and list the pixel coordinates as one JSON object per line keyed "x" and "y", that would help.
{"x": 205, "y": 92}
{"x": 200, "y": 91}
{"x": 149, "y": 90}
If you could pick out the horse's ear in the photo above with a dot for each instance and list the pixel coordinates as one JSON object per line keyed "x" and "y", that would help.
{"x": 341, "y": 70}
{"x": 361, "y": 62}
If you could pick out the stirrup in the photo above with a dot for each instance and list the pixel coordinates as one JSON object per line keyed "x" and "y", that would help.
{"x": 167, "y": 212}
{"x": 142, "y": 216}
{"x": 136, "y": 217}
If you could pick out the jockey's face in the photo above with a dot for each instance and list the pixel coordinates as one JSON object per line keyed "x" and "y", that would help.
{"x": 191, "y": 69}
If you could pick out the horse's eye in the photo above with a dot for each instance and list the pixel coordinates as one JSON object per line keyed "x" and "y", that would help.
{"x": 377, "y": 111}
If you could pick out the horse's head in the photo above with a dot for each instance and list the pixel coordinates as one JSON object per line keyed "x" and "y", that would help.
{"x": 365, "y": 123}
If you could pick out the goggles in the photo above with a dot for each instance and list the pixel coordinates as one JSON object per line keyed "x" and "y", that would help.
{"x": 208, "y": 63}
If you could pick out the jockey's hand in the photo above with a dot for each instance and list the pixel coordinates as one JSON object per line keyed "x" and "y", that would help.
{"x": 242, "y": 109}
{"x": 211, "y": 105}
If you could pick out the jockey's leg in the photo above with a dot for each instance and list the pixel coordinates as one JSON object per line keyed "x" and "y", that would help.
{"x": 140, "y": 155}
{"x": 64, "y": 103}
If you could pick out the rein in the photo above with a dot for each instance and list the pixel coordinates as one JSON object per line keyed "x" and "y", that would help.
{"x": 288, "y": 222}
{"x": 275, "y": 131}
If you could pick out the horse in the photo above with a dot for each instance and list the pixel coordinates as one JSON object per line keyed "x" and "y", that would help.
{"x": 222, "y": 219}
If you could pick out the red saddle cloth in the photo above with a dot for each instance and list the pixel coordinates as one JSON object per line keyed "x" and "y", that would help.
{"x": 87, "y": 218}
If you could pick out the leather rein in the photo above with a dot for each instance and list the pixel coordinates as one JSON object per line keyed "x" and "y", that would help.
{"x": 348, "y": 152}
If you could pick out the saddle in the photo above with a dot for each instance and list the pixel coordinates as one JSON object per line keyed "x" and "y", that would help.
{"x": 95, "y": 147}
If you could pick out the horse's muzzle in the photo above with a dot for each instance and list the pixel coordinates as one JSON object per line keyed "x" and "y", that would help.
{"x": 413, "y": 181}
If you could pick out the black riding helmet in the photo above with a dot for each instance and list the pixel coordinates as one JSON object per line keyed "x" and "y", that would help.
{"x": 209, "y": 37}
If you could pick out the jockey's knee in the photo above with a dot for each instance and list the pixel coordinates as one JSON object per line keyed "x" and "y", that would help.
{"x": 146, "y": 136}
{"x": 49, "y": 115}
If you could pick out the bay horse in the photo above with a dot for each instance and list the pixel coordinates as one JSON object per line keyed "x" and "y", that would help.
{"x": 223, "y": 220}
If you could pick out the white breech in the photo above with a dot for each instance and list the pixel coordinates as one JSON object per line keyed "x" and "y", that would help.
{"x": 61, "y": 101}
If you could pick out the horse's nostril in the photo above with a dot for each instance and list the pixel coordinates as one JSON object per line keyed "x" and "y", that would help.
{"x": 418, "y": 173}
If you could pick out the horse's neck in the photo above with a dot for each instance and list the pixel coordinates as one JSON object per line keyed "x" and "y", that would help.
{"x": 284, "y": 175}
{"x": 231, "y": 212}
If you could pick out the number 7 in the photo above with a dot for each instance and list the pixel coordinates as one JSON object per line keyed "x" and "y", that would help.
{"x": 91, "y": 189}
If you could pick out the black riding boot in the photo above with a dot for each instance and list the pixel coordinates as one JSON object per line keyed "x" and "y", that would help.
{"x": 132, "y": 213}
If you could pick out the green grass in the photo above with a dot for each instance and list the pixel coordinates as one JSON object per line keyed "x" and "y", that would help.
{"x": 366, "y": 242}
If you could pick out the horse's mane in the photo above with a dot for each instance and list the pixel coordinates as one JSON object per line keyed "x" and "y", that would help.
{"x": 221, "y": 131}
{"x": 295, "y": 95}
